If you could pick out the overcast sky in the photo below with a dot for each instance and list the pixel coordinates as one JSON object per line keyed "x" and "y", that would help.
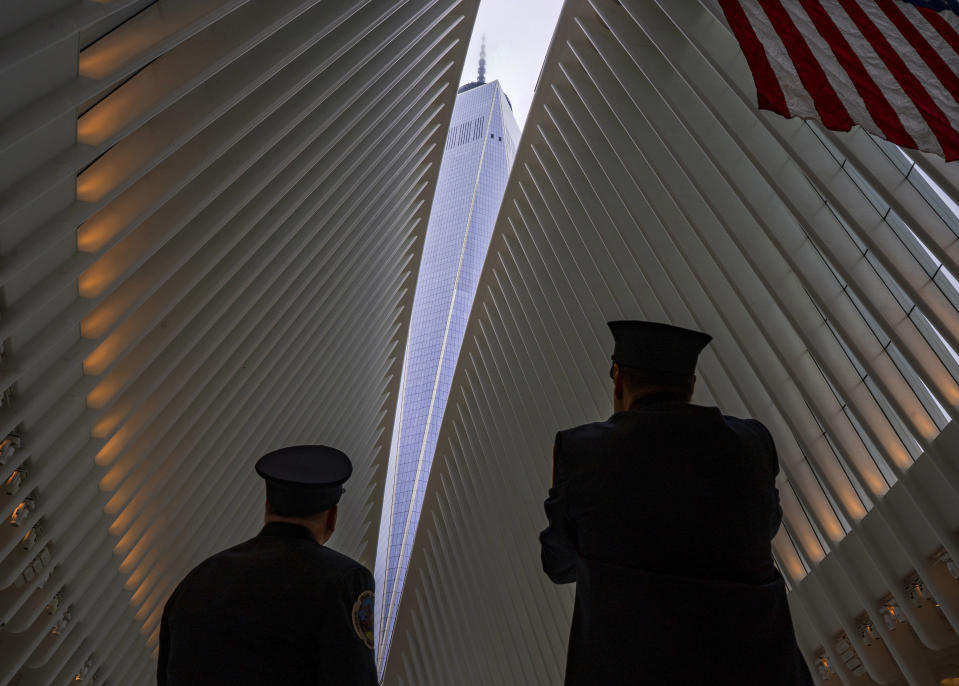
{"x": 517, "y": 36}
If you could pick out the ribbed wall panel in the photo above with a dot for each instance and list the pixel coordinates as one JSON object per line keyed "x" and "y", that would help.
{"x": 211, "y": 215}
{"x": 647, "y": 185}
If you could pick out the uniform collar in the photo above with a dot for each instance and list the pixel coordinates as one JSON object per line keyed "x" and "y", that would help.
{"x": 659, "y": 399}
{"x": 286, "y": 530}
{"x": 665, "y": 404}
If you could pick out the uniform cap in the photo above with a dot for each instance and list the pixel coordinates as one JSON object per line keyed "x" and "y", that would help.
{"x": 655, "y": 347}
{"x": 302, "y": 480}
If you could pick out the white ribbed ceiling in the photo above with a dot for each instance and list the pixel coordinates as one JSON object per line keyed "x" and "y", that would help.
{"x": 648, "y": 185}
{"x": 211, "y": 212}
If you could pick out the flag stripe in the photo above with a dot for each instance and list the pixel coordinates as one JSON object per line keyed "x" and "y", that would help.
{"x": 768, "y": 91}
{"x": 932, "y": 59}
{"x": 919, "y": 69}
{"x": 890, "y": 66}
{"x": 934, "y": 117}
{"x": 905, "y": 108}
{"x": 882, "y": 113}
{"x": 830, "y": 108}
{"x": 928, "y": 34}
{"x": 837, "y": 76}
{"x": 942, "y": 27}
{"x": 797, "y": 99}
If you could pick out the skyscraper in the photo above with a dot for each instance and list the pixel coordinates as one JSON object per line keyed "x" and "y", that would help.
{"x": 477, "y": 158}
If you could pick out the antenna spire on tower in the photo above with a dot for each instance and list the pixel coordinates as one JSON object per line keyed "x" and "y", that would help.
{"x": 481, "y": 78}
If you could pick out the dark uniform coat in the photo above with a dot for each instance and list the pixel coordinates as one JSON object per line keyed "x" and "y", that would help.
{"x": 277, "y": 609}
{"x": 663, "y": 516}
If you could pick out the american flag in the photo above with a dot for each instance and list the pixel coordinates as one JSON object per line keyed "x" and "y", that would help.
{"x": 891, "y": 66}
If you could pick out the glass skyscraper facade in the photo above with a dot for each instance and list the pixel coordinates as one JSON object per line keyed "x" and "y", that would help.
{"x": 479, "y": 152}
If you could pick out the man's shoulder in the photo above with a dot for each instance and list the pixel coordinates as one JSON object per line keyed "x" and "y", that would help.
{"x": 747, "y": 423}
{"x": 299, "y": 555}
{"x": 583, "y": 431}
{"x": 639, "y": 417}
{"x": 320, "y": 560}
{"x": 749, "y": 428}
{"x": 573, "y": 445}
{"x": 343, "y": 564}
{"x": 754, "y": 435}
{"x": 217, "y": 559}
{"x": 664, "y": 423}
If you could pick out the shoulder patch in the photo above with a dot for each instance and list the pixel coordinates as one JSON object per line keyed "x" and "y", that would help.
{"x": 363, "y": 618}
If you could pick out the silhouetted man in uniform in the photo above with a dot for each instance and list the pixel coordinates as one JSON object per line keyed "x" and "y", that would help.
{"x": 280, "y": 608}
{"x": 663, "y": 516}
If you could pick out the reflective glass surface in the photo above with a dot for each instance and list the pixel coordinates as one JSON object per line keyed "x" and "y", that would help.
{"x": 478, "y": 154}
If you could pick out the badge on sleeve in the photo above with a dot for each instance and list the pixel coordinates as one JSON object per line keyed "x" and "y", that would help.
{"x": 363, "y": 618}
